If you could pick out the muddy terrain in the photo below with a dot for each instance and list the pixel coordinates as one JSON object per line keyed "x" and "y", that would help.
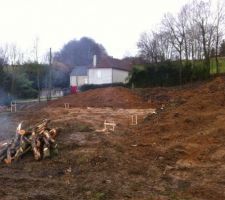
{"x": 176, "y": 153}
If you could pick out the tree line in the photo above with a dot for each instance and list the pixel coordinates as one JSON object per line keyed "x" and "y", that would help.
{"x": 192, "y": 37}
{"x": 195, "y": 33}
{"x": 26, "y": 78}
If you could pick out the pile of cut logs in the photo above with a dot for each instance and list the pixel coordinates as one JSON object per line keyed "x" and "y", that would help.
{"x": 39, "y": 139}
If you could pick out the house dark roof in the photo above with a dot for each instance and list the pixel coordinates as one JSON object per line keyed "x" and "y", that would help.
{"x": 104, "y": 62}
{"x": 110, "y": 62}
{"x": 79, "y": 71}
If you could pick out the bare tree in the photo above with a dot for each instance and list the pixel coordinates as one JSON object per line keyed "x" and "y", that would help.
{"x": 155, "y": 47}
{"x": 4, "y": 53}
{"x": 36, "y": 56}
{"x": 15, "y": 55}
{"x": 203, "y": 19}
{"x": 189, "y": 35}
{"x": 164, "y": 46}
{"x": 176, "y": 34}
{"x": 219, "y": 19}
{"x": 192, "y": 34}
{"x": 182, "y": 22}
{"x": 15, "y": 58}
{"x": 145, "y": 47}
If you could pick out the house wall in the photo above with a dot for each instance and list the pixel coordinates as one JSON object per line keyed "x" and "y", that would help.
{"x": 99, "y": 75}
{"x": 73, "y": 81}
{"x": 54, "y": 93}
{"x": 119, "y": 76}
{"x": 78, "y": 80}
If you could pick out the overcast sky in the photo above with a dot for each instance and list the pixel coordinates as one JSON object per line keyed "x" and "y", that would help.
{"x": 116, "y": 24}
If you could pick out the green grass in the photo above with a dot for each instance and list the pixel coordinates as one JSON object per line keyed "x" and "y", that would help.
{"x": 99, "y": 196}
{"x": 221, "y": 65}
{"x": 83, "y": 127}
{"x": 212, "y": 65}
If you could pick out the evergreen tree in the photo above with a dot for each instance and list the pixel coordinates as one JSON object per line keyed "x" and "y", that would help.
{"x": 80, "y": 52}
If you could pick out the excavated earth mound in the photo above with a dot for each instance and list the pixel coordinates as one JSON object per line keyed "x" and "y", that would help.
{"x": 116, "y": 97}
{"x": 189, "y": 138}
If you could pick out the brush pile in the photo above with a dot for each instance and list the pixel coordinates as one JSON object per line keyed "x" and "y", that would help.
{"x": 39, "y": 139}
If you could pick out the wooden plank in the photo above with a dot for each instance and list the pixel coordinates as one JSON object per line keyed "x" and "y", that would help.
{"x": 67, "y": 105}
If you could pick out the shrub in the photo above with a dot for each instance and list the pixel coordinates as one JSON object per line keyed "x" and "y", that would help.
{"x": 168, "y": 73}
{"x": 95, "y": 86}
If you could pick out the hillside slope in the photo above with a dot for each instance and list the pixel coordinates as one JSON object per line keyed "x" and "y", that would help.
{"x": 189, "y": 138}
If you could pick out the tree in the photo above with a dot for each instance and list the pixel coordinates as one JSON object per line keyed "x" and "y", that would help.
{"x": 23, "y": 87}
{"x": 146, "y": 47}
{"x": 193, "y": 34}
{"x": 15, "y": 58}
{"x": 219, "y": 18}
{"x": 154, "y": 47}
{"x": 203, "y": 19}
{"x": 31, "y": 70}
{"x": 222, "y": 48}
{"x": 35, "y": 50}
{"x": 79, "y": 52}
{"x": 175, "y": 33}
{"x": 3, "y": 55}
{"x": 2, "y": 64}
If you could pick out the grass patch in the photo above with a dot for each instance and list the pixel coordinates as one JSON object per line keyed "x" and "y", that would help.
{"x": 213, "y": 65}
{"x": 99, "y": 196}
{"x": 83, "y": 159}
{"x": 83, "y": 128}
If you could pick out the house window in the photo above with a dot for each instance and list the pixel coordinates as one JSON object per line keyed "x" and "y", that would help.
{"x": 99, "y": 74}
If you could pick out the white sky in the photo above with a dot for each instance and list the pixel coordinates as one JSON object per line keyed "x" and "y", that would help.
{"x": 116, "y": 24}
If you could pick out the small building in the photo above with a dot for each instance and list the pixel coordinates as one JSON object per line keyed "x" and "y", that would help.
{"x": 54, "y": 93}
{"x": 79, "y": 76}
{"x": 106, "y": 71}
{"x": 106, "y": 75}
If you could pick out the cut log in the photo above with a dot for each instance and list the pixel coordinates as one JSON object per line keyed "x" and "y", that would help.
{"x": 40, "y": 139}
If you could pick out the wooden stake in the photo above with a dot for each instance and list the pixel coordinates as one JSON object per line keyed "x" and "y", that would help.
{"x": 13, "y": 107}
{"x": 67, "y": 105}
{"x": 134, "y": 120}
{"x": 109, "y": 125}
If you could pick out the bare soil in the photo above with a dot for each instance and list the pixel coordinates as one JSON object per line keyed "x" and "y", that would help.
{"x": 116, "y": 97}
{"x": 176, "y": 154}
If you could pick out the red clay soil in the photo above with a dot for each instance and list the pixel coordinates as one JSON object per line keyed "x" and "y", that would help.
{"x": 189, "y": 137}
{"x": 116, "y": 97}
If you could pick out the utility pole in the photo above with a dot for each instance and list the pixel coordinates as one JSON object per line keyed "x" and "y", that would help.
{"x": 50, "y": 74}
{"x": 38, "y": 67}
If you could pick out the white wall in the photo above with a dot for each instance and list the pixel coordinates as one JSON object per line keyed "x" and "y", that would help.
{"x": 99, "y": 75}
{"x": 82, "y": 80}
{"x": 78, "y": 80}
{"x": 119, "y": 76}
{"x": 73, "y": 81}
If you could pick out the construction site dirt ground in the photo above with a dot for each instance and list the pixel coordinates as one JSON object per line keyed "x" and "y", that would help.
{"x": 176, "y": 154}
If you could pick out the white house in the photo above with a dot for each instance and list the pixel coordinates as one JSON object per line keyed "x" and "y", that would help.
{"x": 106, "y": 75}
{"x": 79, "y": 76}
{"x": 108, "y": 70}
